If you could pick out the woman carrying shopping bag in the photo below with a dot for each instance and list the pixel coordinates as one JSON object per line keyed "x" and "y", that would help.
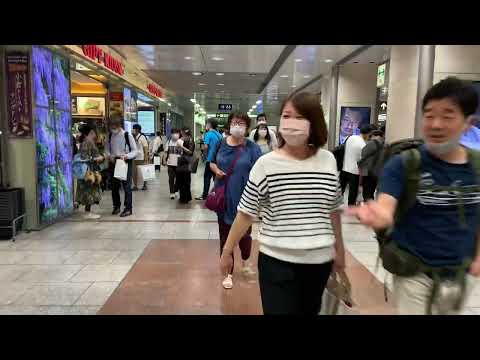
{"x": 89, "y": 189}
{"x": 184, "y": 174}
{"x": 295, "y": 190}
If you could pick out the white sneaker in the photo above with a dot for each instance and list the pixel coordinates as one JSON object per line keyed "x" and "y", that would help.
{"x": 228, "y": 282}
{"x": 172, "y": 196}
{"x": 91, "y": 216}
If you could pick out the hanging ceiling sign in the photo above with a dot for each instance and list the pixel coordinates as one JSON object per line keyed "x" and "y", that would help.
{"x": 97, "y": 54}
{"x": 225, "y": 107}
{"x": 381, "y": 75}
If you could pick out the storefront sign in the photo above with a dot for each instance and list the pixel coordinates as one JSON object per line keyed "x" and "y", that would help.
{"x": 225, "y": 107}
{"x": 155, "y": 90}
{"x": 97, "y": 54}
{"x": 381, "y": 75}
{"x": 116, "y": 96}
{"x": 18, "y": 94}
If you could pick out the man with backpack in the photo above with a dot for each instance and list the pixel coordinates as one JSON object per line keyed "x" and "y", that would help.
{"x": 428, "y": 209}
{"x": 371, "y": 164}
{"x": 141, "y": 142}
{"x": 121, "y": 145}
{"x": 211, "y": 139}
{"x": 350, "y": 174}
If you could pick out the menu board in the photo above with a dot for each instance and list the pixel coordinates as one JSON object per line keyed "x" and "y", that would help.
{"x": 90, "y": 106}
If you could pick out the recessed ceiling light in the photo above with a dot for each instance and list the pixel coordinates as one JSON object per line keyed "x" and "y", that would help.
{"x": 216, "y": 58}
{"x": 328, "y": 60}
{"x": 220, "y": 74}
{"x": 193, "y": 101}
{"x": 197, "y": 73}
{"x": 254, "y": 106}
{"x": 201, "y": 84}
{"x": 220, "y": 84}
{"x": 259, "y": 101}
{"x": 188, "y": 58}
{"x": 306, "y": 76}
{"x": 284, "y": 76}
{"x": 298, "y": 60}
{"x": 169, "y": 104}
{"x": 294, "y": 86}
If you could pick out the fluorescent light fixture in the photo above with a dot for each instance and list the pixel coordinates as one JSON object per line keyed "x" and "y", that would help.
{"x": 201, "y": 84}
{"x": 328, "y": 60}
{"x": 259, "y": 102}
{"x": 294, "y": 86}
{"x": 220, "y": 84}
{"x": 193, "y": 101}
{"x": 220, "y": 74}
{"x": 197, "y": 73}
{"x": 169, "y": 104}
{"x": 306, "y": 76}
{"x": 188, "y": 58}
{"x": 217, "y": 58}
{"x": 284, "y": 76}
{"x": 298, "y": 60}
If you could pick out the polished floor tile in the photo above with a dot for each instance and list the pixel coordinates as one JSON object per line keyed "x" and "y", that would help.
{"x": 92, "y": 257}
{"x": 65, "y": 294}
{"x": 97, "y": 294}
{"x": 101, "y": 273}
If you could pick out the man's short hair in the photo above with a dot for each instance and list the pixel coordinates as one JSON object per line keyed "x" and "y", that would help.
{"x": 213, "y": 123}
{"x": 115, "y": 120}
{"x": 365, "y": 129}
{"x": 137, "y": 127}
{"x": 459, "y": 91}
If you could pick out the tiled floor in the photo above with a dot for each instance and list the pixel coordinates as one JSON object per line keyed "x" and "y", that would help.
{"x": 161, "y": 260}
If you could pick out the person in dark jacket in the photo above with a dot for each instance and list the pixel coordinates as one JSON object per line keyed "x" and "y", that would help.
{"x": 371, "y": 164}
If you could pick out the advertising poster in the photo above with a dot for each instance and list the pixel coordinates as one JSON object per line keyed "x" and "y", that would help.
{"x": 471, "y": 138}
{"x": 19, "y": 106}
{"x": 116, "y": 104}
{"x": 352, "y": 118}
{"x": 90, "y": 106}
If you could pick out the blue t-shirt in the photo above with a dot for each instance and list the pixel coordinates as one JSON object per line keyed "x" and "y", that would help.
{"x": 432, "y": 229}
{"x": 238, "y": 180}
{"x": 212, "y": 138}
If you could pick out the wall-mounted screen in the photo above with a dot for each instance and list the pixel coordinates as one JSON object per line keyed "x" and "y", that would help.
{"x": 130, "y": 104}
{"x": 146, "y": 119}
{"x": 352, "y": 118}
{"x": 90, "y": 106}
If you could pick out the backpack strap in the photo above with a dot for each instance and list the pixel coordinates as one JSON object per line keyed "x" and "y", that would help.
{"x": 412, "y": 163}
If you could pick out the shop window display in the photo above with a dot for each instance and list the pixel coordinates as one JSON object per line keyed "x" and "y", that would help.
{"x": 51, "y": 85}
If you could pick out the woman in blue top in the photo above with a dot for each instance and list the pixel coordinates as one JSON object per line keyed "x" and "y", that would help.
{"x": 246, "y": 152}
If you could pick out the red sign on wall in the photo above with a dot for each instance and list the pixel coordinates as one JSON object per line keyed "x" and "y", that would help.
{"x": 155, "y": 90}
{"x": 116, "y": 96}
{"x": 97, "y": 54}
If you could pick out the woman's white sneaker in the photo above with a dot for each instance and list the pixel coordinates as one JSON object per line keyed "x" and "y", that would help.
{"x": 227, "y": 283}
{"x": 91, "y": 216}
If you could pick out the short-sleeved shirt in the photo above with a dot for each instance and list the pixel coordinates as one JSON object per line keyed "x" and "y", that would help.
{"x": 237, "y": 181}
{"x": 432, "y": 229}
{"x": 294, "y": 199}
{"x": 212, "y": 138}
{"x": 141, "y": 142}
{"x": 353, "y": 154}
{"x": 174, "y": 152}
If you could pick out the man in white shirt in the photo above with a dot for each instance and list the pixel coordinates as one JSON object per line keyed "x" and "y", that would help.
{"x": 118, "y": 142}
{"x": 157, "y": 148}
{"x": 262, "y": 119}
{"x": 353, "y": 153}
{"x": 142, "y": 157}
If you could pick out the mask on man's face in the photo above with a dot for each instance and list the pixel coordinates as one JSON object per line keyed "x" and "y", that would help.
{"x": 115, "y": 131}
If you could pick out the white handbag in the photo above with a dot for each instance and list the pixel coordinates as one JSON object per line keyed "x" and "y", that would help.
{"x": 121, "y": 170}
{"x": 336, "y": 299}
{"x": 147, "y": 172}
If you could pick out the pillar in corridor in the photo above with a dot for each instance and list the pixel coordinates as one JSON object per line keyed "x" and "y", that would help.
{"x": 411, "y": 75}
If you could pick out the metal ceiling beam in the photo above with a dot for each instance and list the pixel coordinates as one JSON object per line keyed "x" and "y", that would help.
{"x": 276, "y": 66}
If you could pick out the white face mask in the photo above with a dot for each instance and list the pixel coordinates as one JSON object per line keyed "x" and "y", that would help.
{"x": 175, "y": 136}
{"x": 115, "y": 131}
{"x": 263, "y": 133}
{"x": 238, "y": 131}
{"x": 295, "y": 132}
{"x": 444, "y": 148}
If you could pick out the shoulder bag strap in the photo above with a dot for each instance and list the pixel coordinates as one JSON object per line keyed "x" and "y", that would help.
{"x": 412, "y": 163}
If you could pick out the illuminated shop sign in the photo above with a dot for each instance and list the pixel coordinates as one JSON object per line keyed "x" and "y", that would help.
{"x": 154, "y": 90}
{"x": 98, "y": 55}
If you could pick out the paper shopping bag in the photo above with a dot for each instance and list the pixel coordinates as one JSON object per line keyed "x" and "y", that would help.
{"x": 156, "y": 161}
{"x": 147, "y": 172}
{"x": 336, "y": 299}
{"x": 121, "y": 170}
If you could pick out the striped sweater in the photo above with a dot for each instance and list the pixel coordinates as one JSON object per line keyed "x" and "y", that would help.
{"x": 294, "y": 199}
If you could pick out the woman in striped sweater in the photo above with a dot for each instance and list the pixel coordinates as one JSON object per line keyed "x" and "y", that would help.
{"x": 295, "y": 190}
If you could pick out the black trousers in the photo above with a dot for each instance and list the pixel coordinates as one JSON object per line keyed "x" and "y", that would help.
{"x": 352, "y": 181}
{"x": 172, "y": 179}
{"x": 369, "y": 184}
{"x": 184, "y": 181}
{"x": 127, "y": 188}
{"x": 291, "y": 289}
{"x": 207, "y": 179}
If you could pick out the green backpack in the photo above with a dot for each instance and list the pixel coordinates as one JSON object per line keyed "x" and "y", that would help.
{"x": 401, "y": 262}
